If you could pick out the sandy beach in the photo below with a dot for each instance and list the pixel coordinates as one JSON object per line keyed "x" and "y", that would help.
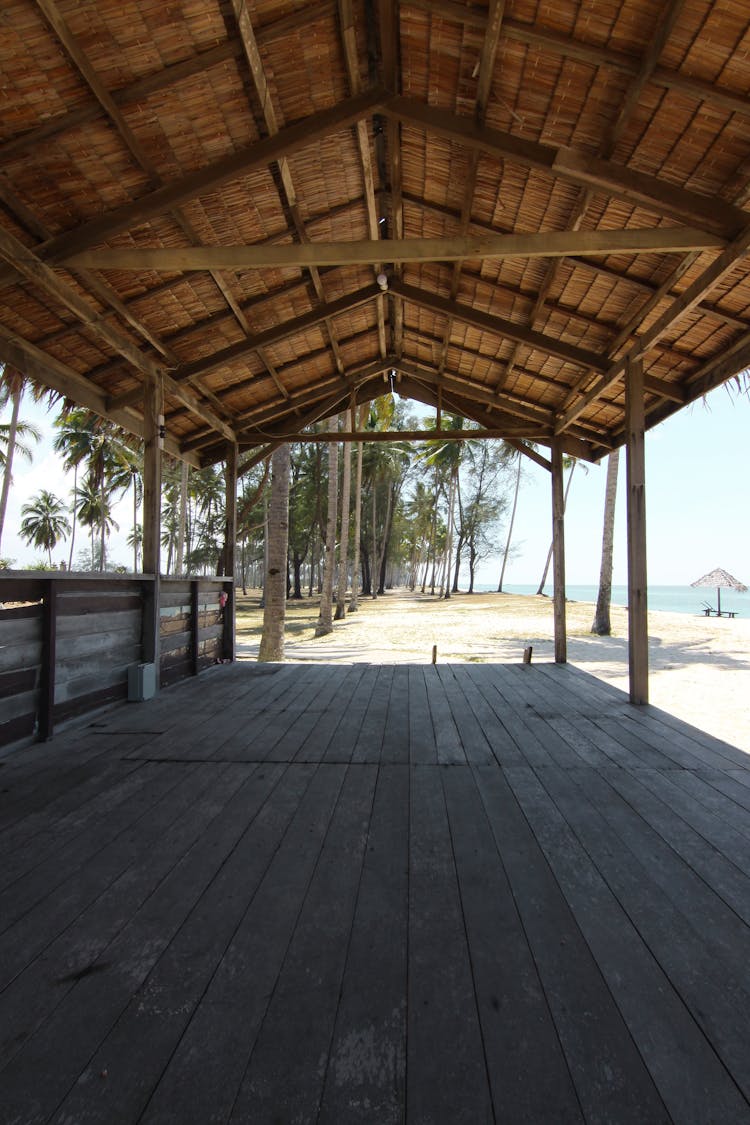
{"x": 699, "y": 666}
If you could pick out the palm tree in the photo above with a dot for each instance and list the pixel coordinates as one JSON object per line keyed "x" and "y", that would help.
{"x": 274, "y": 584}
{"x": 602, "y": 624}
{"x": 86, "y": 439}
{"x": 325, "y": 619}
{"x": 346, "y": 485}
{"x": 354, "y": 603}
{"x": 44, "y": 522}
{"x": 94, "y": 511}
{"x": 12, "y": 386}
{"x": 506, "y": 552}
{"x": 446, "y": 457}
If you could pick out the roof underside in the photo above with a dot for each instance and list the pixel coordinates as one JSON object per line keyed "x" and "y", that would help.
{"x": 205, "y": 194}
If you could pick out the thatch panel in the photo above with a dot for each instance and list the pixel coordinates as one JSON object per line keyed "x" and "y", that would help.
{"x": 126, "y": 41}
{"x": 195, "y": 122}
{"x": 298, "y": 344}
{"x": 434, "y": 166}
{"x": 38, "y": 81}
{"x": 711, "y": 43}
{"x": 316, "y": 78}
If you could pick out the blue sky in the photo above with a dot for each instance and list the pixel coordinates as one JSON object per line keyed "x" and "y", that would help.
{"x": 698, "y": 515}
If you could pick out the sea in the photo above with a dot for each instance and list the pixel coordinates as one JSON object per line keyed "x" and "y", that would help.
{"x": 674, "y": 599}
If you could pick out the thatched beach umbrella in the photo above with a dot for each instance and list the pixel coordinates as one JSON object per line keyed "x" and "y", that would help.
{"x": 719, "y": 578}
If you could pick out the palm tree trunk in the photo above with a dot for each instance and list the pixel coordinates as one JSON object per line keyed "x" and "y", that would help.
{"x": 75, "y": 516}
{"x": 449, "y": 535}
{"x": 373, "y": 555}
{"x": 602, "y": 625}
{"x": 346, "y": 486}
{"x": 7, "y": 475}
{"x": 274, "y": 584}
{"x": 354, "y": 603}
{"x": 325, "y": 619}
{"x": 135, "y": 525}
{"x": 549, "y": 553}
{"x": 506, "y": 552}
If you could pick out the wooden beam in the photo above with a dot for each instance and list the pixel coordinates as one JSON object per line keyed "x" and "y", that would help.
{"x": 302, "y": 134}
{"x": 576, "y": 167}
{"x": 36, "y": 271}
{"x": 506, "y": 329}
{"x": 50, "y": 372}
{"x": 558, "y": 553}
{"x": 532, "y": 454}
{"x": 273, "y": 335}
{"x": 567, "y": 47}
{"x": 550, "y": 244}
{"x": 681, "y": 306}
{"x": 636, "y": 516}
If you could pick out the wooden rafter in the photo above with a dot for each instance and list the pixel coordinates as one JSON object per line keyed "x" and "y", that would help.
{"x": 505, "y": 329}
{"x": 573, "y": 166}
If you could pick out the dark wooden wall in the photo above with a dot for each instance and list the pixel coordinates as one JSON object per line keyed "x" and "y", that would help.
{"x": 67, "y": 642}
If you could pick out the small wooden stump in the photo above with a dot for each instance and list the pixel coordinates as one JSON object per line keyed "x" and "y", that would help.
{"x": 527, "y": 654}
{"x": 434, "y": 654}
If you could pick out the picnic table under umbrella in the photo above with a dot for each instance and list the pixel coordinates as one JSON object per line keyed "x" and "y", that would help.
{"x": 719, "y": 578}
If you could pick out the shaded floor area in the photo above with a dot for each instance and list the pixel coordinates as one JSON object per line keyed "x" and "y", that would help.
{"x": 463, "y": 893}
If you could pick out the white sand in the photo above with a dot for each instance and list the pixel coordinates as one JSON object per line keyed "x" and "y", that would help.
{"x": 699, "y": 666}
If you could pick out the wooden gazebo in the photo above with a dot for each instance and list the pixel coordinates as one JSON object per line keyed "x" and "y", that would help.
{"x": 225, "y": 221}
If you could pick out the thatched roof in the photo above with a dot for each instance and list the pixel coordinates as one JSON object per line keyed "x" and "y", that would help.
{"x": 720, "y": 578}
{"x": 207, "y": 192}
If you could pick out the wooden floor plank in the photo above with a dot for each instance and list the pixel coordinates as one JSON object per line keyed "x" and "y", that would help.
{"x": 68, "y": 925}
{"x": 422, "y": 746}
{"x": 606, "y": 1068}
{"x": 696, "y": 946}
{"x": 681, "y": 1060}
{"x": 284, "y": 1078}
{"x": 314, "y": 746}
{"x": 52, "y": 1059}
{"x": 347, "y": 731}
{"x": 369, "y": 744}
{"x": 366, "y": 1069}
{"x": 205, "y": 1073}
{"x": 49, "y": 870}
{"x": 526, "y": 1066}
{"x": 466, "y": 892}
{"x": 395, "y": 748}
{"x": 474, "y": 744}
{"x": 504, "y": 750}
{"x": 137, "y": 1050}
{"x": 446, "y": 1074}
{"x": 450, "y": 751}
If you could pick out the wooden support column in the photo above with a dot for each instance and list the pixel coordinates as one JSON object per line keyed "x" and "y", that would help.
{"x": 230, "y": 550}
{"x": 558, "y": 553}
{"x": 153, "y": 407}
{"x": 636, "y": 489}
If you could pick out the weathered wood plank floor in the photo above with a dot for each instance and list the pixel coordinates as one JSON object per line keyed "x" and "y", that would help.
{"x": 436, "y": 894}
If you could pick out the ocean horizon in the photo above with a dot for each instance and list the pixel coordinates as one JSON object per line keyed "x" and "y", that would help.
{"x": 670, "y": 599}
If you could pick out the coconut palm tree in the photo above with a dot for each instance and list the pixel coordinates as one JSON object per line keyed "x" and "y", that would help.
{"x": 325, "y": 617}
{"x": 602, "y": 624}
{"x": 274, "y": 583}
{"x": 13, "y": 383}
{"x": 506, "y": 552}
{"x": 44, "y": 522}
{"x": 346, "y": 485}
{"x": 354, "y": 603}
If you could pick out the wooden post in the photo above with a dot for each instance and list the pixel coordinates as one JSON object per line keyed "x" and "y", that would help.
{"x": 48, "y": 661}
{"x": 558, "y": 553}
{"x": 230, "y": 549}
{"x": 636, "y": 490}
{"x": 153, "y": 406}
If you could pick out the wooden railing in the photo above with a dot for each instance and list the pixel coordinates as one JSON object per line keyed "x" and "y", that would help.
{"x": 67, "y": 641}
